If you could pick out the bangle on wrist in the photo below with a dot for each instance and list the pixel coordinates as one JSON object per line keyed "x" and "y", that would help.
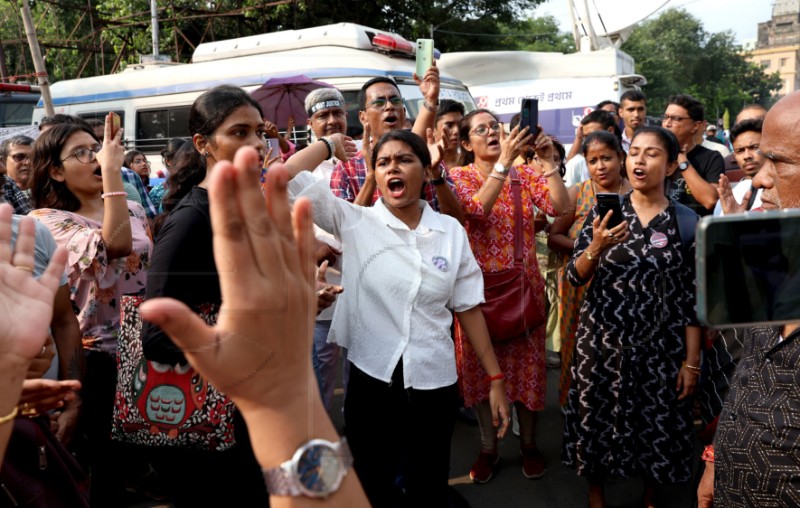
{"x": 10, "y": 416}
{"x": 329, "y": 144}
{"x": 496, "y": 377}
{"x": 497, "y": 177}
{"x": 590, "y": 256}
{"x": 430, "y": 108}
{"x": 550, "y": 173}
{"x": 114, "y": 194}
{"x": 708, "y": 454}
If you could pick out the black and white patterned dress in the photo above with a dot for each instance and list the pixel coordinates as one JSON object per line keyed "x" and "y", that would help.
{"x": 622, "y": 416}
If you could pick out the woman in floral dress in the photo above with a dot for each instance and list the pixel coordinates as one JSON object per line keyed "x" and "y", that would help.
{"x": 481, "y": 186}
{"x": 79, "y": 195}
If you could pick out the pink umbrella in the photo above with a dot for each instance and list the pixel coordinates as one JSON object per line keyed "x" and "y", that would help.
{"x": 281, "y": 98}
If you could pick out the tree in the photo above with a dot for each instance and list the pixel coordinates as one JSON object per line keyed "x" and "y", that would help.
{"x": 677, "y": 56}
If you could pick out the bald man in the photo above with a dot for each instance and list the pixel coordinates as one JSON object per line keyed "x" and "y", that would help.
{"x": 755, "y": 459}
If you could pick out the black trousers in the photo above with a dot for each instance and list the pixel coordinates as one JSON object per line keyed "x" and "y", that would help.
{"x": 396, "y": 432}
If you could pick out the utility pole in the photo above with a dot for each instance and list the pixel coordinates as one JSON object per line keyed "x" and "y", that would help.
{"x": 38, "y": 62}
{"x": 154, "y": 21}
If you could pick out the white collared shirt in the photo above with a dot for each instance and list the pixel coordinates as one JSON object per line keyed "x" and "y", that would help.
{"x": 577, "y": 171}
{"x": 398, "y": 286}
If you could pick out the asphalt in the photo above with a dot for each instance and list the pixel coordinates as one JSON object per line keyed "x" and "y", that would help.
{"x": 560, "y": 487}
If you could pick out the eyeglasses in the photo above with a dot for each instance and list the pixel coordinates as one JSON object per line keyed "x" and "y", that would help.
{"x": 140, "y": 161}
{"x": 674, "y": 118}
{"x": 380, "y": 102}
{"x": 85, "y": 155}
{"x": 19, "y": 157}
{"x": 483, "y": 130}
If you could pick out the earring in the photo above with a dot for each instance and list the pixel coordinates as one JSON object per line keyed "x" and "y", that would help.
{"x": 206, "y": 154}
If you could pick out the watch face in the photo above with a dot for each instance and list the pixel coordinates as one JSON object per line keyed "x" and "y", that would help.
{"x": 319, "y": 470}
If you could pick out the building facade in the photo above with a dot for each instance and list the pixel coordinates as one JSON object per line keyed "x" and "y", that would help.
{"x": 778, "y": 44}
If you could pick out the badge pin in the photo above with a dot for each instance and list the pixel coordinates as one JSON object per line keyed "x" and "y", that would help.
{"x": 441, "y": 263}
{"x": 658, "y": 240}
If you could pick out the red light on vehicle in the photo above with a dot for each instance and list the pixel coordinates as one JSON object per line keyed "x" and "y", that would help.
{"x": 389, "y": 43}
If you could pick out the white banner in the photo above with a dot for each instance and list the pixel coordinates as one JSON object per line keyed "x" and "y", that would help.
{"x": 31, "y": 131}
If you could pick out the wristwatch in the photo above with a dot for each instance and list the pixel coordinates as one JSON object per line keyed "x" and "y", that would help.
{"x": 441, "y": 179}
{"x": 316, "y": 470}
{"x": 683, "y": 166}
{"x": 500, "y": 168}
{"x": 589, "y": 255}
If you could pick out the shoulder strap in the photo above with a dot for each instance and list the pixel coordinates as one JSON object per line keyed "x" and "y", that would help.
{"x": 516, "y": 193}
{"x": 687, "y": 222}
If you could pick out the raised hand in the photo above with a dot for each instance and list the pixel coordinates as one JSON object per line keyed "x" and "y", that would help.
{"x": 26, "y": 304}
{"x": 343, "y": 146}
{"x": 726, "y": 199}
{"x": 259, "y": 352}
{"x": 603, "y": 237}
{"x": 429, "y": 85}
{"x": 513, "y": 144}
{"x": 437, "y": 151}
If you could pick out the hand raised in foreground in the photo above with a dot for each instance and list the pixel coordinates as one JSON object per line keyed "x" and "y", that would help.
{"x": 26, "y": 303}
{"x": 261, "y": 343}
{"x": 259, "y": 353}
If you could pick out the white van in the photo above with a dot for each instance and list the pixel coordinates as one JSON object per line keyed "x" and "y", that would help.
{"x": 154, "y": 99}
{"x": 568, "y": 86}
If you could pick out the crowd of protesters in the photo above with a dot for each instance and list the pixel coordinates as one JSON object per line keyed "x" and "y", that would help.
{"x": 395, "y": 237}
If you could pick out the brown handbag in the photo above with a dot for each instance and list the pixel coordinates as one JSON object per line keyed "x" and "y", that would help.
{"x": 510, "y": 307}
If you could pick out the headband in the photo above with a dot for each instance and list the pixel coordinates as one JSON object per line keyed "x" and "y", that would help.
{"x": 325, "y": 105}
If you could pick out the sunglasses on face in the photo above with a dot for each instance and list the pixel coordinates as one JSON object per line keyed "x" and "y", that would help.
{"x": 380, "y": 102}
{"x": 19, "y": 157}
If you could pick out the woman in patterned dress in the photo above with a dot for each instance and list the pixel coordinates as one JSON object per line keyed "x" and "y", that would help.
{"x": 480, "y": 183}
{"x": 637, "y": 354}
{"x": 604, "y": 158}
{"x": 79, "y": 195}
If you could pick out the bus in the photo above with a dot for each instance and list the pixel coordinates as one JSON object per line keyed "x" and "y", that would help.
{"x": 16, "y": 104}
{"x": 568, "y": 86}
{"x": 154, "y": 99}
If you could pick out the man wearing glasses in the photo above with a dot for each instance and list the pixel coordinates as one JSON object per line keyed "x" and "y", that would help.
{"x": 16, "y": 153}
{"x": 380, "y": 111}
{"x": 693, "y": 183}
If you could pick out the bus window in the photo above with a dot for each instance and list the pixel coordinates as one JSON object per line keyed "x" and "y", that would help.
{"x": 101, "y": 115}
{"x": 16, "y": 110}
{"x": 156, "y": 126}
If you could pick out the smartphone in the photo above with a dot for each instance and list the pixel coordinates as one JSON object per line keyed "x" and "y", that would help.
{"x": 748, "y": 269}
{"x": 424, "y": 56}
{"x": 116, "y": 124}
{"x": 529, "y": 115}
{"x": 275, "y": 145}
{"x": 610, "y": 201}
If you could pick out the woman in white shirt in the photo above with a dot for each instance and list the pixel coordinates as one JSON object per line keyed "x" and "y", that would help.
{"x": 404, "y": 267}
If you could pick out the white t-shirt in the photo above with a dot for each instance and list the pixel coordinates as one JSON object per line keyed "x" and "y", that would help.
{"x": 399, "y": 286}
{"x": 577, "y": 171}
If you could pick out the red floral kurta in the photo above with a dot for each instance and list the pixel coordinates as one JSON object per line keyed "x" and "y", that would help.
{"x": 491, "y": 237}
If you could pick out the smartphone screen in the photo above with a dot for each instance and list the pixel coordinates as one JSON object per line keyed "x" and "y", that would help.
{"x": 609, "y": 201}
{"x": 529, "y": 115}
{"x": 748, "y": 268}
{"x": 424, "y": 56}
{"x": 275, "y": 146}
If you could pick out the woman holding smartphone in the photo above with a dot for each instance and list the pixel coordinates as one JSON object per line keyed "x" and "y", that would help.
{"x": 483, "y": 187}
{"x": 637, "y": 356}
{"x": 604, "y": 158}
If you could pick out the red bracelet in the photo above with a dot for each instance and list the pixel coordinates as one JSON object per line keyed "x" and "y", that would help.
{"x": 489, "y": 379}
{"x": 708, "y": 453}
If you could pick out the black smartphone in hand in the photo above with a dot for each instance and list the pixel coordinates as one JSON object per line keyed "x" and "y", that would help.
{"x": 610, "y": 201}
{"x": 529, "y": 115}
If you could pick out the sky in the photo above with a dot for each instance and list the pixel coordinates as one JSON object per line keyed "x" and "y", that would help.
{"x": 740, "y": 16}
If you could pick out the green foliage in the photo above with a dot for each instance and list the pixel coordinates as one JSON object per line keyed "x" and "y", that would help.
{"x": 677, "y": 55}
